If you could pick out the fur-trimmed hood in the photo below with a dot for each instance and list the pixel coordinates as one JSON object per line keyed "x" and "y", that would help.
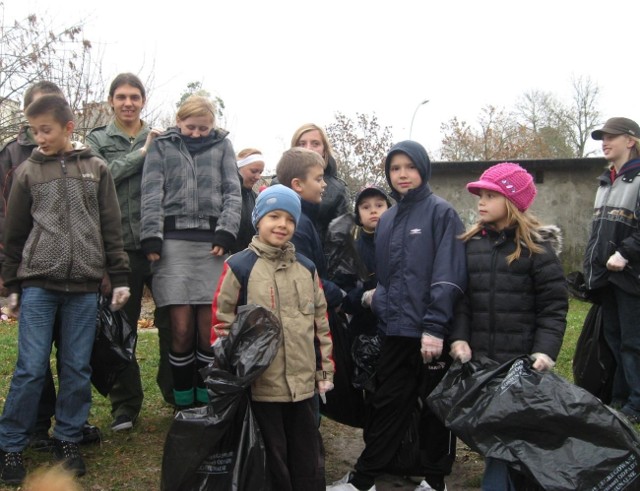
{"x": 553, "y": 235}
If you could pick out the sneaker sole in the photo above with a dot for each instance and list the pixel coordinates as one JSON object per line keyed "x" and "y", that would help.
{"x": 122, "y": 426}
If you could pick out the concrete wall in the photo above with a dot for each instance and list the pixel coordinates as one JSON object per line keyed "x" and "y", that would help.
{"x": 566, "y": 190}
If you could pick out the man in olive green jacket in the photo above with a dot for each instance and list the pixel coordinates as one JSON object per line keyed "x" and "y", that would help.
{"x": 123, "y": 144}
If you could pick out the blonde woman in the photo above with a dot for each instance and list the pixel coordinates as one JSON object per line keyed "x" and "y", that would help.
{"x": 250, "y": 168}
{"x": 336, "y": 198}
{"x": 190, "y": 217}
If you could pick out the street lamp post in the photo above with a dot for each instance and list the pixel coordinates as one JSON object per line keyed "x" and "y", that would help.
{"x": 414, "y": 116}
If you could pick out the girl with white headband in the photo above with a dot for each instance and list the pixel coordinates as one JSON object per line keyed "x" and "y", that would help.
{"x": 250, "y": 169}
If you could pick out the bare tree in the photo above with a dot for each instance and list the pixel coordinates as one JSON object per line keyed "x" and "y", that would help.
{"x": 32, "y": 50}
{"x": 582, "y": 115}
{"x": 360, "y": 147}
{"x": 539, "y": 127}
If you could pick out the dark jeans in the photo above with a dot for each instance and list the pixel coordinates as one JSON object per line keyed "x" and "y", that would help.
{"x": 621, "y": 314}
{"x": 295, "y": 455}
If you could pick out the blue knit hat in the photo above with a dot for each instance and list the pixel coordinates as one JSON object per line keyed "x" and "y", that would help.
{"x": 276, "y": 197}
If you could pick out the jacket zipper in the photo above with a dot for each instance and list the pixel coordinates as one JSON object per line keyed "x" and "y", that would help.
{"x": 492, "y": 312}
{"x": 68, "y": 217}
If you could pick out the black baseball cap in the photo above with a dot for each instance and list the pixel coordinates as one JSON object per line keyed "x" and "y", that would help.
{"x": 617, "y": 126}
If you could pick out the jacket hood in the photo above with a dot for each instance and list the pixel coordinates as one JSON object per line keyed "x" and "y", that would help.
{"x": 416, "y": 153}
{"x": 553, "y": 235}
{"x": 79, "y": 151}
{"x": 332, "y": 167}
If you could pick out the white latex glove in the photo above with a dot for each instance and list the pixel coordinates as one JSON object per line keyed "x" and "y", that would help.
{"x": 542, "y": 363}
{"x": 460, "y": 350}
{"x": 119, "y": 297}
{"x": 14, "y": 304}
{"x": 616, "y": 262}
{"x": 431, "y": 347}
{"x": 366, "y": 298}
{"x": 324, "y": 386}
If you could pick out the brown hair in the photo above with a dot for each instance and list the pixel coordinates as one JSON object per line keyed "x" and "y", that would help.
{"x": 526, "y": 231}
{"x": 43, "y": 87}
{"x": 55, "y": 105}
{"x": 127, "y": 79}
{"x": 295, "y": 163}
{"x": 305, "y": 128}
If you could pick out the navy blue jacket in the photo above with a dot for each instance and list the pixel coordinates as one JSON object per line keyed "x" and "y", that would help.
{"x": 420, "y": 263}
{"x": 307, "y": 242}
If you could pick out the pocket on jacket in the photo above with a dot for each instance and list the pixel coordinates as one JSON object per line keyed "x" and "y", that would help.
{"x": 304, "y": 290}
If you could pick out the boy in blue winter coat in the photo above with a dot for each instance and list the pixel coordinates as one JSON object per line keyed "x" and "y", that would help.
{"x": 421, "y": 270}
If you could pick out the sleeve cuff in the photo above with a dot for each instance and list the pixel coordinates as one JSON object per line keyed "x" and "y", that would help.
{"x": 152, "y": 245}
{"x": 223, "y": 239}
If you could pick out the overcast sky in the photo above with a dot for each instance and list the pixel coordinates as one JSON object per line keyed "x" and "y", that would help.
{"x": 279, "y": 64}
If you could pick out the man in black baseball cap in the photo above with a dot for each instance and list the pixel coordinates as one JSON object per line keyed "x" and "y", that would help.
{"x": 617, "y": 126}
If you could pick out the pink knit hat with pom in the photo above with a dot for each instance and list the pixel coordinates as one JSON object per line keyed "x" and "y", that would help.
{"x": 510, "y": 180}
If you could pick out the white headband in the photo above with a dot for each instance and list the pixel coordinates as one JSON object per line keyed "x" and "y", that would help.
{"x": 256, "y": 157}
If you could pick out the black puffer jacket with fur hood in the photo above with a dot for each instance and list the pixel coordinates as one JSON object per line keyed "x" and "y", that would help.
{"x": 516, "y": 309}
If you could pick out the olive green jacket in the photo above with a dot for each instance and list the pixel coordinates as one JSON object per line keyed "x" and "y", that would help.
{"x": 125, "y": 160}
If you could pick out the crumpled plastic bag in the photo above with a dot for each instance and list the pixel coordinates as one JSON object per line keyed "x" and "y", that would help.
{"x": 365, "y": 352}
{"x": 219, "y": 447}
{"x": 343, "y": 262}
{"x": 114, "y": 346}
{"x": 554, "y": 432}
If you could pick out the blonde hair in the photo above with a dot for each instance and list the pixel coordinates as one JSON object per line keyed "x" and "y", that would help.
{"x": 245, "y": 152}
{"x": 295, "y": 163}
{"x": 526, "y": 226}
{"x": 196, "y": 106}
{"x": 634, "y": 152}
{"x": 55, "y": 478}
{"x": 305, "y": 128}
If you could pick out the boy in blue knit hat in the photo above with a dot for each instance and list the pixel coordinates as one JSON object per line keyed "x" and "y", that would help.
{"x": 270, "y": 273}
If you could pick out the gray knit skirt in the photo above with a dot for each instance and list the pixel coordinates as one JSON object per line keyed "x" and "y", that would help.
{"x": 186, "y": 274}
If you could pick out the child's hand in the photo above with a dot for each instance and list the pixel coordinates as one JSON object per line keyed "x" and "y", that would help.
{"x": 366, "y": 298}
{"x": 431, "y": 348}
{"x": 120, "y": 296}
{"x": 460, "y": 350}
{"x": 324, "y": 386}
{"x": 14, "y": 304}
{"x": 616, "y": 262}
{"x": 542, "y": 363}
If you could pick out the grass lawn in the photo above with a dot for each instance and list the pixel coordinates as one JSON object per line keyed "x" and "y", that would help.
{"x": 132, "y": 460}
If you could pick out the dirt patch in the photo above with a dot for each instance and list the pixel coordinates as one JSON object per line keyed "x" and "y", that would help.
{"x": 343, "y": 445}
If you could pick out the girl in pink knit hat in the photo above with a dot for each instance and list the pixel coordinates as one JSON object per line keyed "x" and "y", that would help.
{"x": 516, "y": 301}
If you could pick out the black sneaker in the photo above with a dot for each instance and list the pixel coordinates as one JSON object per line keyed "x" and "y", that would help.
{"x": 69, "y": 454}
{"x": 12, "y": 468}
{"x": 40, "y": 441}
{"x": 121, "y": 423}
{"x": 90, "y": 434}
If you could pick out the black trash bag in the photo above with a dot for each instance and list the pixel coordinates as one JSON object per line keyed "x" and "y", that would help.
{"x": 365, "y": 352}
{"x": 593, "y": 363}
{"x": 113, "y": 348}
{"x": 345, "y": 403}
{"x": 219, "y": 447}
{"x": 343, "y": 261}
{"x": 554, "y": 432}
{"x": 421, "y": 450}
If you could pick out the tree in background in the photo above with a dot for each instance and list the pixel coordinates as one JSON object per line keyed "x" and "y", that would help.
{"x": 31, "y": 51}
{"x": 539, "y": 126}
{"x": 195, "y": 88}
{"x": 359, "y": 147}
